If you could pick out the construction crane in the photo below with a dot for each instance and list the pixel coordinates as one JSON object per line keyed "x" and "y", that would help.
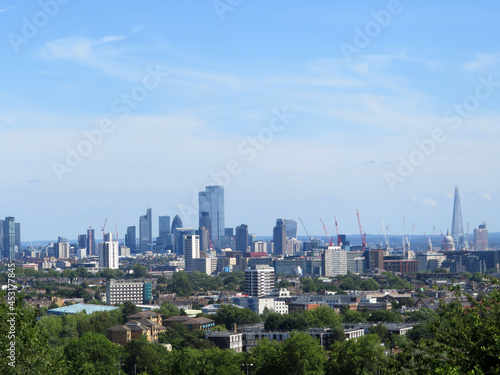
{"x": 116, "y": 228}
{"x": 327, "y": 236}
{"x": 103, "y": 228}
{"x": 363, "y": 236}
{"x": 339, "y": 243}
{"x": 385, "y": 236}
{"x": 303, "y": 226}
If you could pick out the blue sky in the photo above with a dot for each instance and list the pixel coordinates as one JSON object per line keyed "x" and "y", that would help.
{"x": 206, "y": 79}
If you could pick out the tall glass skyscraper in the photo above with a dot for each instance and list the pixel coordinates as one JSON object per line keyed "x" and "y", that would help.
{"x": 9, "y": 238}
{"x": 212, "y": 201}
{"x": 131, "y": 239}
{"x": 145, "y": 231}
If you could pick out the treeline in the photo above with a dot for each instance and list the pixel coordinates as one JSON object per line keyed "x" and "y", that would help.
{"x": 453, "y": 340}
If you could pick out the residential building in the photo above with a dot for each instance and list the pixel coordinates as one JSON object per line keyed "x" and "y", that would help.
{"x": 191, "y": 250}
{"x": 135, "y": 291}
{"x": 226, "y": 340}
{"x": 481, "y": 238}
{"x": 259, "y": 280}
{"x": 61, "y": 248}
{"x": 108, "y": 252}
{"x": 91, "y": 246}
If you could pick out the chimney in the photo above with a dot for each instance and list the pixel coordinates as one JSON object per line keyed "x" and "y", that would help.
{"x": 235, "y": 330}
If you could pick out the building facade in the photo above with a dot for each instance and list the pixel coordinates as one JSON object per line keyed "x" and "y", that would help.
{"x": 212, "y": 201}
{"x": 108, "y": 252}
{"x": 135, "y": 291}
{"x": 259, "y": 280}
{"x": 145, "y": 231}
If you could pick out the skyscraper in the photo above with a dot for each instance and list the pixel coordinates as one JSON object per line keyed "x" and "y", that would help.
{"x": 481, "y": 237}
{"x": 108, "y": 252}
{"x": 457, "y": 227}
{"x": 212, "y": 201}
{"x": 91, "y": 248}
{"x": 18, "y": 235}
{"x": 279, "y": 237}
{"x": 9, "y": 238}
{"x": 191, "y": 250}
{"x": 176, "y": 224}
{"x": 164, "y": 226}
{"x": 61, "y": 248}
{"x": 145, "y": 231}
{"x": 291, "y": 228}
{"x": 131, "y": 239}
{"x": 242, "y": 238}
{"x": 180, "y": 234}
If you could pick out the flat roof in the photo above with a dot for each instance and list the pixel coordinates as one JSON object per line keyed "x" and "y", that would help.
{"x": 75, "y": 309}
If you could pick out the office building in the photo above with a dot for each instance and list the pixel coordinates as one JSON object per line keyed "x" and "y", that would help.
{"x": 131, "y": 239}
{"x": 180, "y": 233}
{"x": 145, "y": 231}
{"x": 191, "y": 250}
{"x": 259, "y": 280}
{"x": 481, "y": 238}
{"x": 252, "y": 237}
{"x": 91, "y": 246}
{"x": 291, "y": 228}
{"x": 355, "y": 261}
{"x": 212, "y": 201}
{"x": 108, "y": 252}
{"x": 164, "y": 225}
{"x": 204, "y": 220}
{"x": 279, "y": 237}
{"x": 82, "y": 241}
{"x": 457, "y": 227}
{"x": 9, "y": 238}
{"x": 135, "y": 291}
{"x": 204, "y": 239}
{"x": 61, "y": 248}
{"x": 242, "y": 238}
{"x": 18, "y": 236}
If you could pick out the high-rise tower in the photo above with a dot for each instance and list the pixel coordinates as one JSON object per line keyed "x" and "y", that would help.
{"x": 457, "y": 227}
{"x": 212, "y": 201}
{"x": 145, "y": 231}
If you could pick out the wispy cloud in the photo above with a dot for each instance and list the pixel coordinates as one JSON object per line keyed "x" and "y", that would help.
{"x": 482, "y": 61}
{"x": 3, "y": 10}
{"x": 486, "y": 196}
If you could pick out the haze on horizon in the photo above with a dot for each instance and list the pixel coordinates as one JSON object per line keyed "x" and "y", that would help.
{"x": 311, "y": 110}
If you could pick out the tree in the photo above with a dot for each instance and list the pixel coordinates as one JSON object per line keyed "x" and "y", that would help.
{"x": 380, "y": 330}
{"x": 229, "y": 314}
{"x": 142, "y": 356}
{"x": 352, "y": 316}
{"x": 322, "y": 316}
{"x": 167, "y": 310}
{"x": 301, "y": 355}
{"x": 181, "y": 285}
{"x": 129, "y": 309}
{"x": 92, "y": 354}
{"x": 385, "y": 316}
{"x": 31, "y": 350}
{"x": 362, "y": 356}
{"x": 140, "y": 271}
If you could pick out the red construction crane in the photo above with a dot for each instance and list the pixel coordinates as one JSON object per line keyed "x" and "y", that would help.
{"x": 338, "y": 235}
{"x": 363, "y": 235}
{"x": 327, "y": 237}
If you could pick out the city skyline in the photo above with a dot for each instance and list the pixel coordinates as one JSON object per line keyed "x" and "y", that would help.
{"x": 298, "y": 110}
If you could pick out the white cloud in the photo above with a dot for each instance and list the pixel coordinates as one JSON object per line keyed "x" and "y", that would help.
{"x": 428, "y": 202}
{"x": 486, "y": 196}
{"x": 482, "y": 61}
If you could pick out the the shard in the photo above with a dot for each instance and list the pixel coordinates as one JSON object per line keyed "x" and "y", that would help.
{"x": 457, "y": 227}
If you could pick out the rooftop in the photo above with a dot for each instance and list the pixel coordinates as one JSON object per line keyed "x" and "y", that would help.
{"x": 75, "y": 309}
